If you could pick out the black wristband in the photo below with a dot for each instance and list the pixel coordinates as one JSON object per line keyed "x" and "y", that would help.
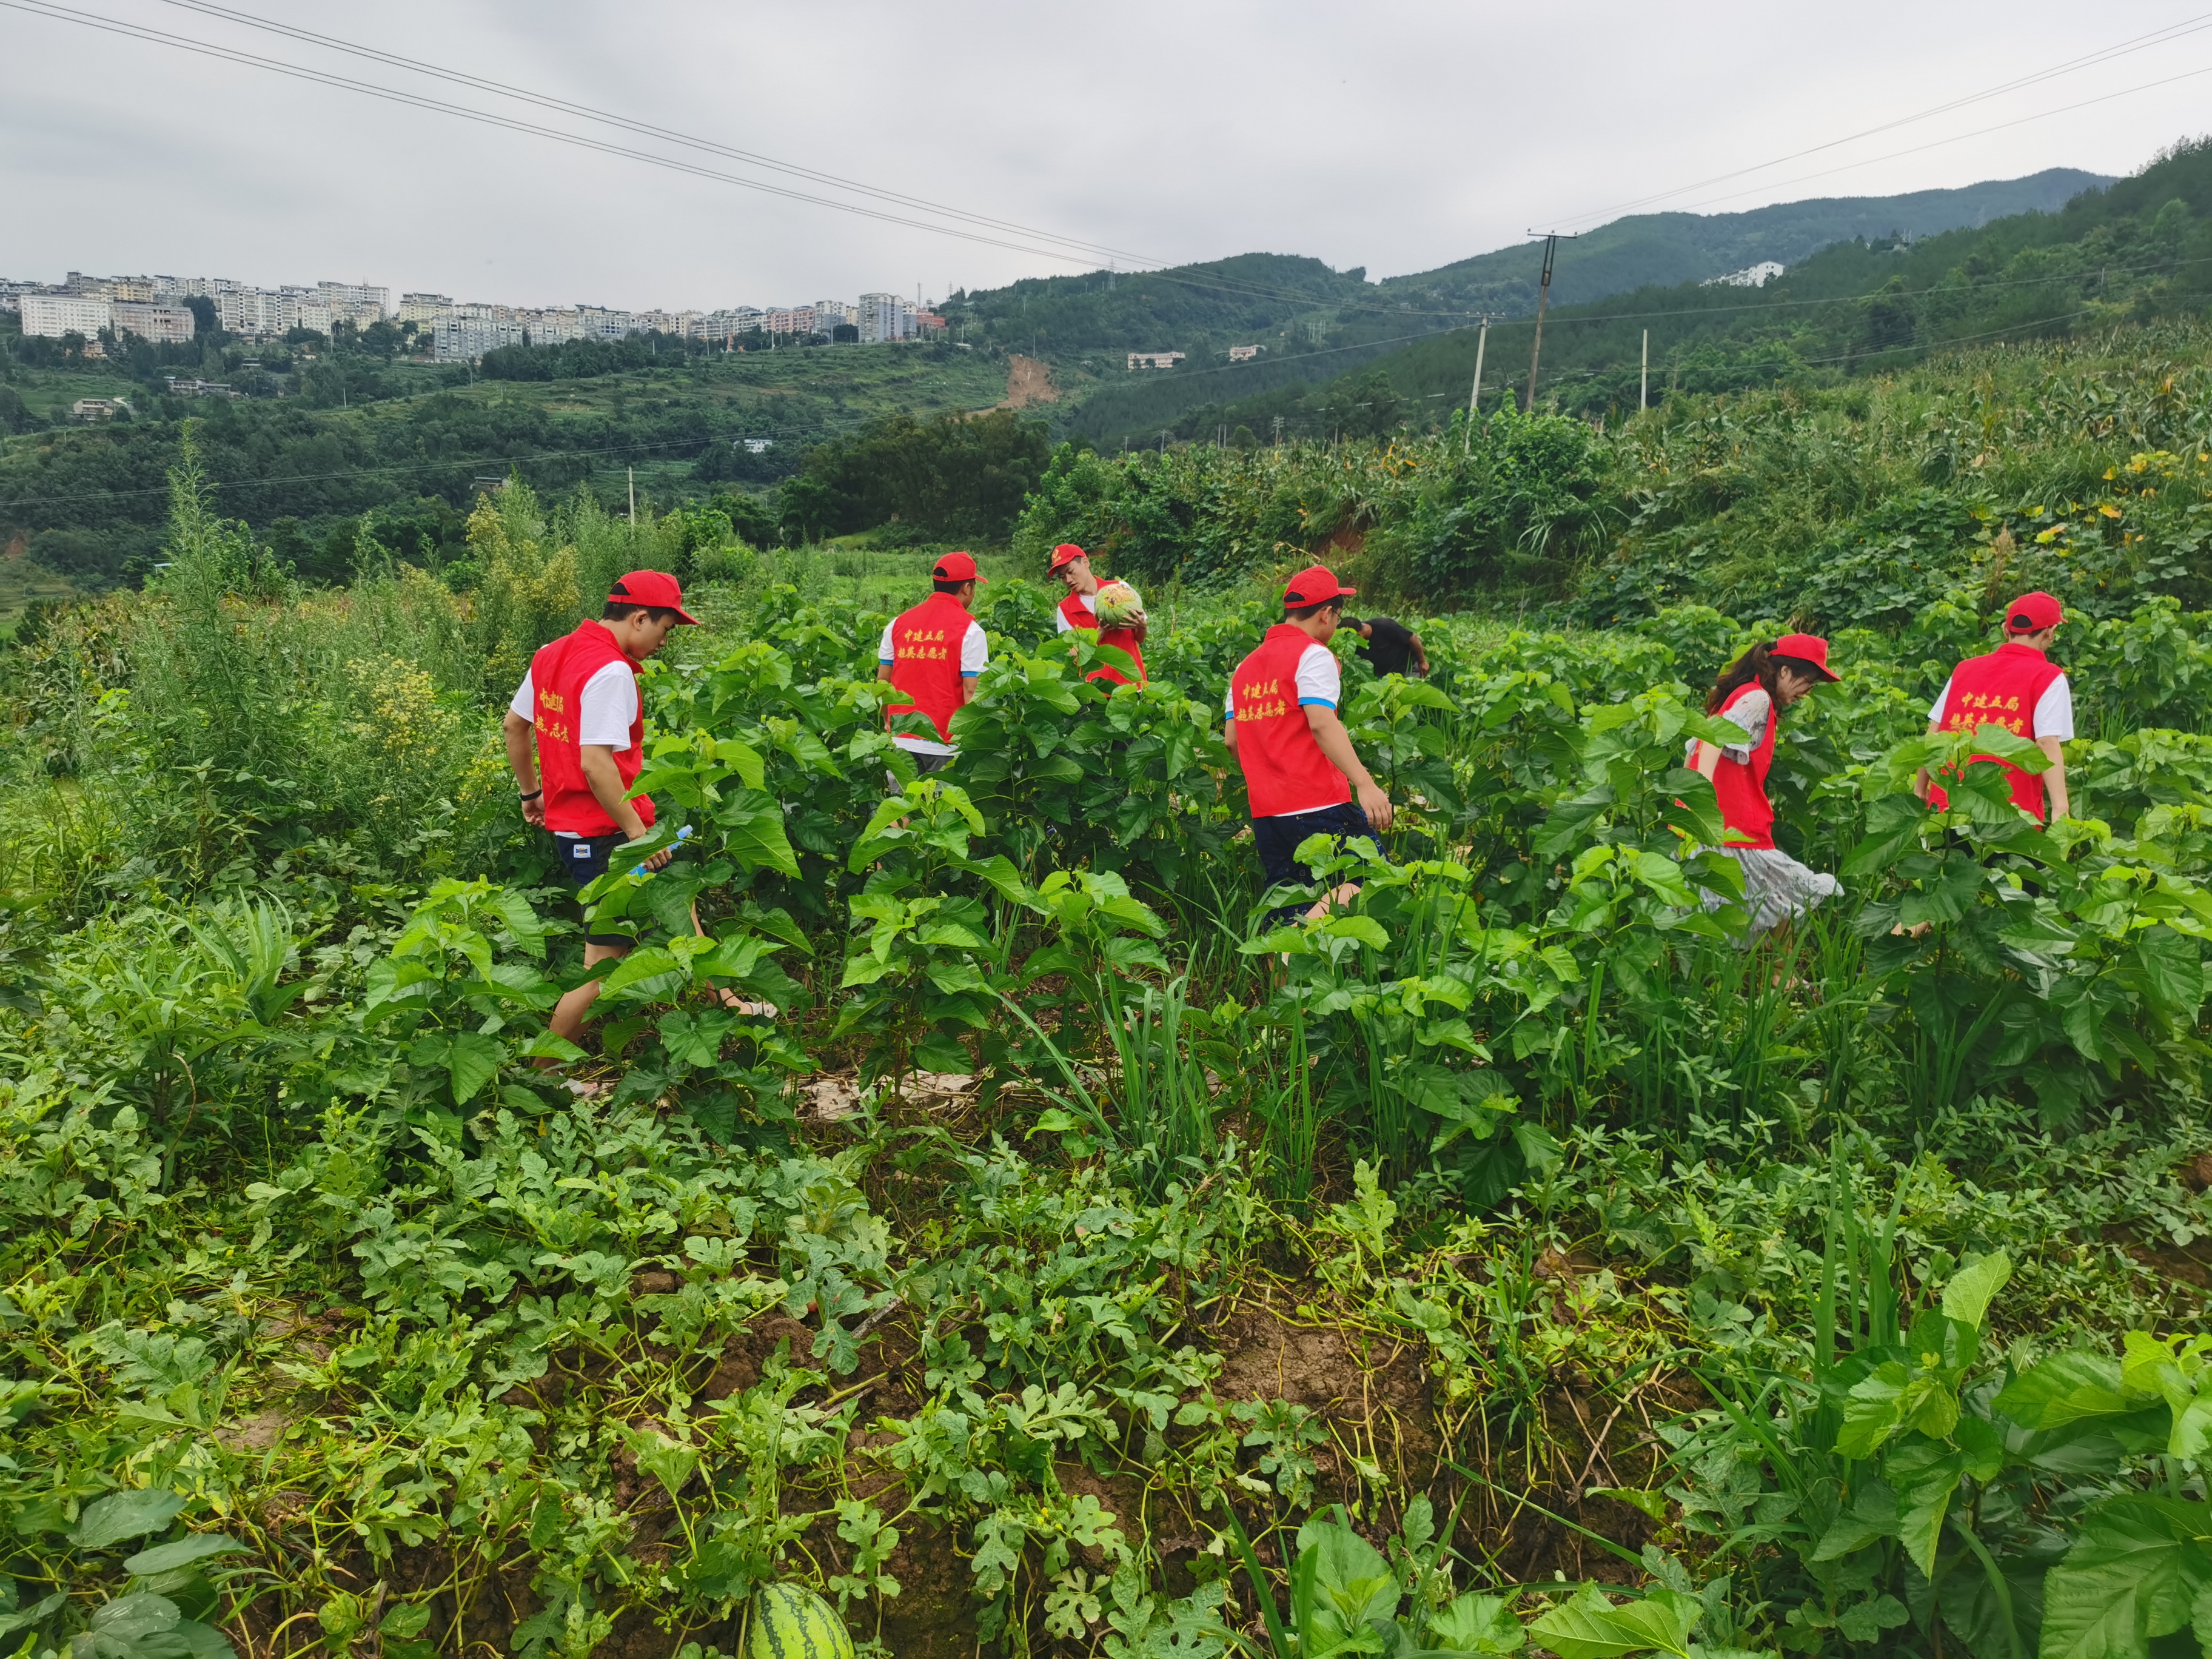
{"x": 533, "y": 794}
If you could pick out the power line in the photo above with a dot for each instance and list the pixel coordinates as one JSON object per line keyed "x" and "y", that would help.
{"x": 2139, "y": 43}
{"x": 2001, "y": 126}
{"x": 51, "y": 8}
{"x": 60, "y": 13}
{"x": 646, "y": 128}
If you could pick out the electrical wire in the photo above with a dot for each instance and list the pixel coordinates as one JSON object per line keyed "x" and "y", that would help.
{"x": 2001, "y": 126}
{"x": 51, "y": 9}
{"x": 2139, "y": 43}
{"x": 648, "y": 129}
{"x": 58, "y": 12}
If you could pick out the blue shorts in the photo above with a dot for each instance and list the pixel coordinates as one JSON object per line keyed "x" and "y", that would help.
{"x": 1277, "y": 840}
{"x": 583, "y": 861}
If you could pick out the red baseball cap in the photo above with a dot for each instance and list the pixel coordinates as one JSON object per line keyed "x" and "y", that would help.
{"x": 1066, "y": 553}
{"x": 1808, "y": 648}
{"x": 2031, "y": 613}
{"x": 654, "y": 587}
{"x": 958, "y": 567}
{"x": 1315, "y": 585}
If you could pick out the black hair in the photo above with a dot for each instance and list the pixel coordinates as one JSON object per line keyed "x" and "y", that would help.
{"x": 947, "y": 584}
{"x": 1351, "y": 622}
{"x": 1300, "y": 612}
{"x": 1761, "y": 663}
{"x": 621, "y": 609}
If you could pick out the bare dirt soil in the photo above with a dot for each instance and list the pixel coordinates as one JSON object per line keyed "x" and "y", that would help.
{"x": 1029, "y": 381}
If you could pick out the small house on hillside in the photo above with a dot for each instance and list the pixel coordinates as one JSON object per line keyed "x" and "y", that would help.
{"x": 1154, "y": 358}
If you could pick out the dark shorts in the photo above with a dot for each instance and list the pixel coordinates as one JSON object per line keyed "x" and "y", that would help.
{"x": 1277, "y": 840}
{"x": 924, "y": 764}
{"x": 583, "y": 861}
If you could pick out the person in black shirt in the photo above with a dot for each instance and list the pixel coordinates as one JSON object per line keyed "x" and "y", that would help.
{"x": 1388, "y": 644}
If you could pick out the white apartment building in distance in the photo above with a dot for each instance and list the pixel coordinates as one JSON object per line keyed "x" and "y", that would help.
{"x": 600, "y": 323}
{"x": 1154, "y": 358}
{"x": 885, "y": 317}
{"x": 50, "y": 316}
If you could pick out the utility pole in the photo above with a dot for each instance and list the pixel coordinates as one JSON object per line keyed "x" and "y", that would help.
{"x": 633, "y": 502}
{"x": 1474, "y": 396}
{"x": 1279, "y": 435}
{"x": 1552, "y": 240}
{"x": 1643, "y": 384}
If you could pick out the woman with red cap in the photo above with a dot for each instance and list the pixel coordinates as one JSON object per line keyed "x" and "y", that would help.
{"x": 2016, "y": 687}
{"x": 1751, "y": 693}
{"x": 1079, "y": 612}
{"x": 1300, "y": 769}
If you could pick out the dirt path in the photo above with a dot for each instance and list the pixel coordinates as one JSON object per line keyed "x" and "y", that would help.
{"x": 1029, "y": 381}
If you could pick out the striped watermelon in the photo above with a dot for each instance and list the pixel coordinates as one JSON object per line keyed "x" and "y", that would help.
{"x": 791, "y": 1623}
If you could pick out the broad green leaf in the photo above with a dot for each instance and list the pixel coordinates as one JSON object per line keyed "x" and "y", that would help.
{"x": 129, "y": 1619}
{"x": 108, "y": 1521}
{"x": 753, "y": 834}
{"x": 1925, "y": 1476}
{"x": 2065, "y": 1388}
{"x": 2173, "y": 967}
{"x": 1339, "y": 1586}
{"x": 1590, "y": 1627}
{"x": 1872, "y": 1516}
{"x": 162, "y": 1558}
{"x": 1479, "y": 1624}
{"x": 2134, "y": 1573}
{"x": 696, "y": 1039}
{"x": 1653, "y": 1504}
{"x": 1368, "y": 931}
{"x": 1967, "y": 1297}
{"x": 472, "y": 1060}
{"x": 671, "y": 1462}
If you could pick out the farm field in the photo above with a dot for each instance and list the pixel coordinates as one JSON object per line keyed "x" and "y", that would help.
{"x": 1075, "y": 1264}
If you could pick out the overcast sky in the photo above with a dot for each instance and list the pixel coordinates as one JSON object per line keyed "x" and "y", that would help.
{"x": 1394, "y": 136}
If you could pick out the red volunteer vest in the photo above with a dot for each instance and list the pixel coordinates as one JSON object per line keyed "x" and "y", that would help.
{"x": 2001, "y": 690}
{"x": 557, "y": 674}
{"x": 1740, "y": 786}
{"x": 1285, "y": 770}
{"x": 925, "y": 660}
{"x": 1080, "y": 616}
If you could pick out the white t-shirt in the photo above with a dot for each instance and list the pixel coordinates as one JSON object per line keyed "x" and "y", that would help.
{"x": 1751, "y": 711}
{"x": 1320, "y": 680}
{"x": 2054, "y": 710}
{"x": 974, "y": 655}
{"x": 610, "y": 708}
{"x": 1061, "y": 623}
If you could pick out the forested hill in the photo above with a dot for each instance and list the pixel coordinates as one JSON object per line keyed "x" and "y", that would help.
{"x": 1288, "y": 303}
{"x": 2139, "y": 249}
{"x": 1660, "y": 249}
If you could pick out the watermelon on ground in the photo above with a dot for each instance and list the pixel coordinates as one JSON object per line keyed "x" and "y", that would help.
{"x": 790, "y": 1622}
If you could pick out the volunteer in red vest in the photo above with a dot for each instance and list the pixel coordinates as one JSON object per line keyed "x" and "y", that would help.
{"x": 933, "y": 653}
{"x": 1751, "y": 693}
{"x": 1073, "y": 566}
{"x": 2017, "y": 687}
{"x": 580, "y": 699}
{"x": 1299, "y": 767}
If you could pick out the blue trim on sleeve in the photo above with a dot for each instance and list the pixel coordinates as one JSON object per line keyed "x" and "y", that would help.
{"x": 970, "y": 673}
{"x": 1308, "y": 703}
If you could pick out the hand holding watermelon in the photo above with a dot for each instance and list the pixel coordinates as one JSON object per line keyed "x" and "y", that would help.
{"x": 1116, "y": 605}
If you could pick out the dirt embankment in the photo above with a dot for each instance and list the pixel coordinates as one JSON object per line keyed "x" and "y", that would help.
{"x": 1029, "y": 381}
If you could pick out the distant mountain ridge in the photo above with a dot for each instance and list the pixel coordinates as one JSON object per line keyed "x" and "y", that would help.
{"x": 1662, "y": 249}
